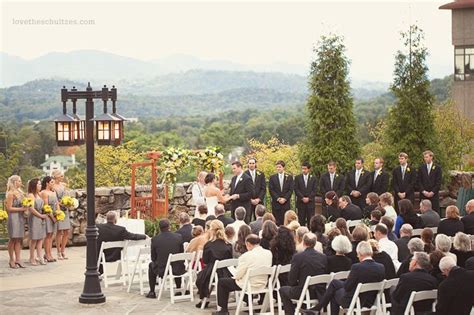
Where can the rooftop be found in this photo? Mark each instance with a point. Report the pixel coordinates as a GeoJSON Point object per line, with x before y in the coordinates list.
{"type": "Point", "coordinates": [458, 5]}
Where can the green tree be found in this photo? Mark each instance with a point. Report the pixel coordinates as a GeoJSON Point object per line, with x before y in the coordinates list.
{"type": "Point", "coordinates": [331, 129]}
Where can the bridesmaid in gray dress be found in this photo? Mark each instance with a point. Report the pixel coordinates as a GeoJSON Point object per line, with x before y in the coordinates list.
{"type": "Point", "coordinates": [16, 220]}
{"type": "Point", "coordinates": [63, 227]}
{"type": "Point", "coordinates": [49, 198]}
{"type": "Point", "coordinates": [36, 223]}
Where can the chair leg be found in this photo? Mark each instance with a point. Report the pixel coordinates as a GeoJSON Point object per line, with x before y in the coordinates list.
{"type": "Point", "coordinates": [191, 286]}
{"type": "Point", "coordinates": [250, 299]}
{"type": "Point", "coordinates": [270, 299]}
{"type": "Point", "coordinates": [171, 289]}
{"type": "Point", "coordinates": [162, 286]}
{"type": "Point", "coordinates": [240, 302]}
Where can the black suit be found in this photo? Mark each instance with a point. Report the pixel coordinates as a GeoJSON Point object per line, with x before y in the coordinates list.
{"type": "Point", "coordinates": [186, 232]}
{"type": "Point", "coordinates": [305, 210]}
{"type": "Point", "coordinates": [456, 293]}
{"type": "Point", "coordinates": [404, 185]}
{"type": "Point", "coordinates": [417, 280]}
{"type": "Point", "coordinates": [276, 192]}
{"type": "Point", "coordinates": [225, 220]}
{"type": "Point", "coordinates": [304, 264]}
{"type": "Point", "coordinates": [245, 190]}
{"type": "Point", "coordinates": [351, 212]}
{"type": "Point", "coordinates": [468, 221]}
{"type": "Point", "coordinates": [380, 184]}
{"type": "Point", "coordinates": [363, 186]}
{"type": "Point", "coordinates": [403, 251]}
{"type": "Point", "coordinates": [450, 227]}
{"type": "Point", "coordinates": [431, 182]}
{"type": "Point", "coordinates": [260, 189]}
{"type": "Point", "coordinates": [337, 186]}
{"type": "Point", "coordinates": [162, 245]}
{"type": "Point", "coordinates": [113, 233]}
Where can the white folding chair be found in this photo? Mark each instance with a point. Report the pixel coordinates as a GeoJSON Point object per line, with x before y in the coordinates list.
{"type": "Point", "coordinates": [341, 275]}
{"type": "Point", "coordinates": [120, 275]}
{"type": "Point", "coordinates": [305, 297]}
{"type": "Point", "coordinates": [356, 308]}
{"type": "Point", "coordinates": [141, 267]}
{"type": "Point", "coordinates": [421, 296]}
{"type": "Point", "coordinates": [186, 277]}
{"type": "Point", "coordinates": [247, 289]}
{"type": "Point", "coordinates": [132, 251]}
{"type": "Point", "coordinates": [280, 269]}
{"type": "Point", "coordinates": [388, 284]}
{"type": "Point", "coordinates": [218, 264]}
{"type": "Point", "coordinates": [197, 263]}
{"type": "Point", "coordinates": [185, 245]}
{"type": "Point", "coordinates": [435, 230]}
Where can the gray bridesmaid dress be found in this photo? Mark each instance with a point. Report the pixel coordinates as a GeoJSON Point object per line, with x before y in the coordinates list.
{"type": "Point", "coordinates": [66, 223]}
{"type": "Point", "coordinates": [37, 226]}
{"type": "Point", "coordinates": [16, 221]}
{"type": "Point", "coordinates": [50, 225]}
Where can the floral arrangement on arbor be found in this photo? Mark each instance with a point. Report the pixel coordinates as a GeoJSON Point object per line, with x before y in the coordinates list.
{"type": "Point", "coordinates": [211, 160]}
{"type": "Point", "coordinates": [173, 160]}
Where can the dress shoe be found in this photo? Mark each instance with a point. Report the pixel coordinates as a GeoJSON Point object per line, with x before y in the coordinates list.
{"type": "Point", "coordinates": [220, 313]}
{"type": "Point", "coordinates": [151, 295]}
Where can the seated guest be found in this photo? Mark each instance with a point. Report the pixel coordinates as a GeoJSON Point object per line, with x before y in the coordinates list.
{"type": "Point", "coordinates": [456, 293]}
{"type": "Point", "coordinates": [452, 224]}
{"type": "Point", "coordinates": [375, 217]}
{"type": "Point", "coordinates": [256, 226]}
{"type": "Point", "coordinates": [230, 233]}
{"type": "Point", "coordinates": [317, 225]}
{"type": "Point", "coordinates": [217, 248]}
{"type": "Point", "coordinates": [468, 219]}
{"type": "Point", "coordinates": [239, 221]}
{"type": "Point", "coordinates": [427, 237]}
{"type": "Point", "coordinates": [332, 233]}
{"type": "Point", "coordinates": [293, 226]}
{"type": "Point", "coordinates": [340, 292]}
{"type": "Point", "coordinates": [290, 216]}
{"type": "Point", "coordinates": [469, 263]}
{"type": "Point", "coordinates": [198, 242]}
{"type": "Point", "coordinates": [255, 257]}
{"type": "Point", "coordinates": [389, 223]}
{"type": "Point", "coordinates": [300, 232]}
{"type": "Point", "coordinates": [407, 215]}
{"type": "Point", "coordinates": [200, 216]}
{"type": "Point", "coordinates": [414, 245]}
{"type": "Point", "coordinates": [384, 259]}
{"type": "Point", "coordinates": [386, 202]}
{"type": "Point", "coordinates": [402, 243]}
{"type": "Point", "coordinates": [385, 244]}
{"type": "Point", "coordinates": [239, 246]}
{"type": "Point", "coordinates": [359, 234]}
{"type": "Point", "coordinates": [341, 224]}
{"type": "Point", "coordinates": [307, 263]}
{"type": "Point", "coordinates": [162, 245]}
{"type": "Point", "coordinates": [418, 279]}
{"type": "Point", "coordinates": [220, 215]}
{"type": "Point", "coordinates": [443, 243]}
{"type": "Point", "coordinates": [331, 209]}
{"type": "Point", "coordinates": [428, 215]}
{"type": "Point", "coordinates": [372, 200]}
{"type": "Point", "coordinates": [462, 248]}
{"type": "Point", "coordinates": [340, 262]}
{"type": "Point", "coordinates": [268, 216]}
{"type": "Point", "coordinates": [282, 246]}
{"type": "Point", "coordinates": [269, 230]}
{"type": "Point", "coordinates": [349, 211]}
{"type": "Point", "coordinates": [111, 232]}
{"type": "Point", "coordinates": [435, 258]}
{"type": "Point", "coordinates": [185, 227]}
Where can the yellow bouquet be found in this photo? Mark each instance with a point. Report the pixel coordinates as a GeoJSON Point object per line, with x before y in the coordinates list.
{"type": "Point", "coordinates": [3, 215]}
{"type": "Point", "coordinates": [28, 202]}
{"type": "Point", "coordinates": [47, 209]}
{"type": "Point", "coordinates": [60, 215]}
{"type": "Point", "coordinates": [69, 202]}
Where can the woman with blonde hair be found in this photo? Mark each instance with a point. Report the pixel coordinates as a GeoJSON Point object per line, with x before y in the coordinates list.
{"type": "Point", "coordinates": [36, 223]}
{"type": "Point", "coordinates": [452, 224]}
{"type": "Point", "coordinates": [386, 202]}
{"type": "Point", "coordinates": [51, 199]}
{"type": "Point", "coordinates": [16, 220]}
{"type": "Point", "coordinates": [290, 216]}
{"type": "Point", "coordinates": [63, 226]}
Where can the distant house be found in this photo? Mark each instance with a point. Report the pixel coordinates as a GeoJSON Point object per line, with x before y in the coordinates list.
{"type": "Point", "coordinates": [58, 162]}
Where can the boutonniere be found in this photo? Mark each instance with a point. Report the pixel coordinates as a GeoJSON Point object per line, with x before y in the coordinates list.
{"type": "Point", "coordinates": [286, 175]}
{"type": "Point", "coordinates": [258, 173]}
{"type": "Point", "coordinates": [310, 176]}
{"type": "Point", "coordinates": [434, 166]}
{"type": "Point", "coordinates": [240, 179]}
{"type": "Point", "coordinates": [408, 169]}
{"type": "Point", "coordinates": [362, 172]}
{"type": "Point", "coordinates": [337, 175]}
{"type": "Point", "coordinates": [379, 172]}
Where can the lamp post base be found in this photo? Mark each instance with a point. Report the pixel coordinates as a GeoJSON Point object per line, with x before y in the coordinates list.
{"type": "Point", "coordinates": [92, 298]}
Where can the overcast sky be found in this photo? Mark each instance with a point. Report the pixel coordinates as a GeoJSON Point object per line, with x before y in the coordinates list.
{"type": "Point", "coordinates": [243, 32]}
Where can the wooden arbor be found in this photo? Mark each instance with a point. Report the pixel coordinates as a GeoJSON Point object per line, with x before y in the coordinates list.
{"type": "Point", "coordinates": [148, 207]}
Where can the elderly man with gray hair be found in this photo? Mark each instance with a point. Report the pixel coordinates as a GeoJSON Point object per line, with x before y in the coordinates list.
{"type": "Point", "coordinates": [414, 245]}
{"type": "Point", "coordinates": [239, 221]}
{"type": "Point", "coordinates": [456, 292]}
{"type": "Point", "coordinates": [402, 243]}
{"type": "Point", "coordinates": [418, 279]}
{"type": "Point", "coordinates": [430, 217]}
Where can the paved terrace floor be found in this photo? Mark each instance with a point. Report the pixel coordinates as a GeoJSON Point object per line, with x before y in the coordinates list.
{"type": "Point", "coordinates": [55, 288]}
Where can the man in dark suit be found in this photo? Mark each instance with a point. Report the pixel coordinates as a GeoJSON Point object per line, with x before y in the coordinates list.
{"type": "Point", "coordinates": [281, 188]}
{"type": "Point", "coordinates": [456, 292]}
{"type": "Point", "coordinates": [429, 180]}
{"type": "Point", "coordinates": [186, 227]}
{"type": "Point", "coordinates": [256, 225]}
{"type": "Point", "coordinates": [219, 210]}
{"type": "Point", "coordinates": [305, 191]}
{"type": "Point", "coordinates": [260, 187]}
{"type": "Point", "coordinates": [349, 211]}
{"type": "Point", "coordinates": [358, 183]}
{"type": "Point", "coordinates": [111, 232]}
{"type": "Point", "coordinates": [403, 180]}
{"type": "Point", "coordinates": [340, 293]}
{"type": "Point", "coordinates": [418, 279]}
{"type": "Point", "coordinates": [162, 245]}
{"type": "Point", "coordinates": [241, 190]}
{"type": "Point", "coordinates": [332, 181]}
{"type": "Point", "coordinates": [468, 219]}
{"type": "Point", "coordinates": [402, 243]}
{"type": "Point", "coordinates": [304, 264]}
{"type": "Point", "coordinates": [379, 178]}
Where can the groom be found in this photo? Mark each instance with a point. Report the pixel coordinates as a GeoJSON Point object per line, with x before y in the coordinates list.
{"type": "Point", "coordinates": [241, 190]}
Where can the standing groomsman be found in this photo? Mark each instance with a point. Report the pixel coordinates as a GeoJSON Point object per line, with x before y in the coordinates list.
{"type": "Point", "coordinates": [379, 178]}
{"type": "Point", "coordinates": [403, 180]}
{"type": "Point", "coordinates": [305, 191]}
{"type": "Point", "coordinates": [260, 187]}
{"type": "Point", "coordinates": [429, 180]}
{"type": "Point", "coordinates": [358, 183]}
{"type": "Point", "coordinates": [332, 181]}
{"type": "Point", "coordinates": [241, 189]}
{"type": "Point", "coordinates": [281, 188]}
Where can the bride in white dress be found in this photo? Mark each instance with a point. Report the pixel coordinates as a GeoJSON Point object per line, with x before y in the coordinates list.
{"type": "Point", "coordinates": [213, 194]}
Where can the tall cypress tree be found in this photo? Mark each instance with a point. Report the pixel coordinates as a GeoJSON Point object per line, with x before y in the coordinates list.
{"type": "Point", "coordinates": [410, 122]}
{"type": "Point", "coordinates": [331, 126]}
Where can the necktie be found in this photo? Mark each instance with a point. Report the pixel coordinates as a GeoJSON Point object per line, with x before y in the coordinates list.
{"type": "Point", "coordinates": [429, 168]}
{"type": "Point", "coordinates": [305, 181]}
{"type": "Point", "coordinates": [357, 177]}
{"type": "Point", "coordinates": [403, 172]}
{"type": "Point", "coordinates": [253, 176]}
{"type": "Point", "coordinates": [281, 181]}
{"type": "Point", "coordinates": [236, 181]}
{"type": "Point", "coordinates": [375, 175]}
{"type": "Point", "coordinates": [332, 181]}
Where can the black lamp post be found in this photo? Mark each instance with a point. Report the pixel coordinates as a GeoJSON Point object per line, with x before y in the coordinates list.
{"type": "Point", "coordinates": [91, 293]}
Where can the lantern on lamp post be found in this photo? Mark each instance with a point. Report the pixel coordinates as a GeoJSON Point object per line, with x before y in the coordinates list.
{"type": "Point", "coordinates": [109, 128]}
{"type": "Point", "coordinates": [65, 125]}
